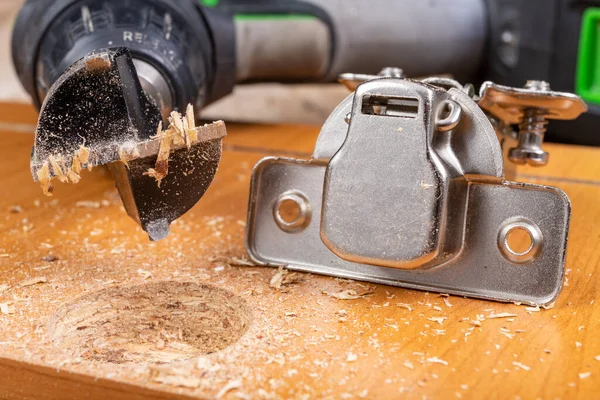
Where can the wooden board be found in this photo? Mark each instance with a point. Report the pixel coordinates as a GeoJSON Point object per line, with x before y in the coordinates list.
{"type": "Point", "coordinates": [301, 342]}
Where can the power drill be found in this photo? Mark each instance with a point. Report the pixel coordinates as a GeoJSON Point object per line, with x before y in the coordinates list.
{"type": "Point", "coordinates": [125, 65]}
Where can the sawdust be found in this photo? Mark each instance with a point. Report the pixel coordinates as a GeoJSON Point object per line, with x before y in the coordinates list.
{"type": "Point", "coordinates": [34, 281]}
{"type": "Point", "coordinates": [157, 322]}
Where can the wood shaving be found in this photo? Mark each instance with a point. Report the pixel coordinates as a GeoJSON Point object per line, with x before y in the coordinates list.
{"type": "Point", "coordinates": [233, 261]}
{"type": "Point", "coordinates": [76, 165]}
{"type": "Point", "coordinates": [521, 365]}
{"type": "Point", "coordinates": [351, 357]}
{"type": "Point", "coordinates": [88, 204]}
{"type": "Point", "coordinates": [508, 335]}
{"type": "Point", "coordinates": [6, 309]}
{"type": "Point", "coordinates": [439, 320]}
{"type": "Point", "coordinates": [43, 175]}
{"type": "Point", "coordinates": [549, 306]}
{"type": "Point", "coordinates": [191, 382]}
{"type": "Point", "coordinates": [283, 277]}
{"type": "Point", "coordinates": [348, 294]}
{"type": "Point", "coordinates": [501, 315]}
{"type": "Point", "coordinates": [584, 375]}
{"type": "Point", "coordinates": [73, 176]}
{"type": "Point", "coordinates": [176, 122]}
{"type": "Point", "coordinates": [145, 274]}
{"type": "Point", "coordinates": [231, 385]}
{"type": "Point", "coordinates": [578, 344]}
{"type": "Point", "coordinates": [83, 154]}
{"type": "Point", "coordinates": [49, 258]}
{"type": "Point", "coordinates": [408, 365]}
{"type": "Point", "coordinates": [404, 305]}
{"type": "Point", "coordinates": [161, 168]}
{"type": "Point", "coordinates": [15, 209]}
{"type": "Point", "coordinates": [62, 172]}
{"type": "Point", "coordinates": [127, 154]}
{"type": "Point", "coordinates": [597, 358]}
{"type": "Point", "coordinates": [435, 360]}
{"type": "Point", "coordinates": [533, 309]}
{"type": "Point", "coordinates": [57, 168]}
{"type": "Point", "coordinates": [34, 281]}
{"type": "Point", "coordinates": [447, 302]}
{"type": "Point", "coordinates": [6, 287]}
{"type": "Point", "coordinates": [192, 134]}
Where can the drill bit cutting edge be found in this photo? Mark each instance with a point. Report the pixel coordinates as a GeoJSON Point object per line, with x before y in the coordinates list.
{"type": "Point", "coordinates": [98, 114]}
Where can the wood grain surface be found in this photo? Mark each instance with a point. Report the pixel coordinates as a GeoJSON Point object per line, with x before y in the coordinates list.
{"type": "Point", "coordinates": [57, 253]}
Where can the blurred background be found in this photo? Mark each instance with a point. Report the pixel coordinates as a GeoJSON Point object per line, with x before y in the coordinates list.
{"type": "Point", "coordinates": [267, 103]}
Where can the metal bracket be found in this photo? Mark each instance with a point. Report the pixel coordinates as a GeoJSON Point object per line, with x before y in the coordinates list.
{"type": "Point", "coordinates": [406, 188]}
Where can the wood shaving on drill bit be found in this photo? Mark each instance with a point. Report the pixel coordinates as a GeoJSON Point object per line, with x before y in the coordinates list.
{"type": "Point", "coordinates": [161, 168]}
{"type": "Point", "coordinates": [61, 171]}
{"type": "Point", "coordinates": [57, 168]}
{"type": "Point", "coordinates": [43, 175]}
{"type": "Point", "coordinates": [127, 154]}
{"type": "Point", "coordinates": [176, 134]}
{"type": "Point", "coordinates": [283, 277]}
{"type": "Point", "coordinates": [192, 134]}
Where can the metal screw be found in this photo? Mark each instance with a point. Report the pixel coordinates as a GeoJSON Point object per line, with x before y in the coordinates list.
{"type": "Point", "coordinates": [532, 129]}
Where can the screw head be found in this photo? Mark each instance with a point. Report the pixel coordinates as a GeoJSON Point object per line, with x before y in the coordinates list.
{"type": "Point", "coordinates": [535, 158]}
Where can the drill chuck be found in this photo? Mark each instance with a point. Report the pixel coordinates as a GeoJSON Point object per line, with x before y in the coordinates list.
{"type": "Point", "coordinates": [172, 44]}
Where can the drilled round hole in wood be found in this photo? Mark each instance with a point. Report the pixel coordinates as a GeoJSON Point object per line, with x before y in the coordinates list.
{"type": "Point", "coordinates": [157, 322]}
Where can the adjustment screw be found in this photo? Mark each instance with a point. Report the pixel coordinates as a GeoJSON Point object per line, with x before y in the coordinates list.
{"type": "Point", "coordinates": [532, 129]}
